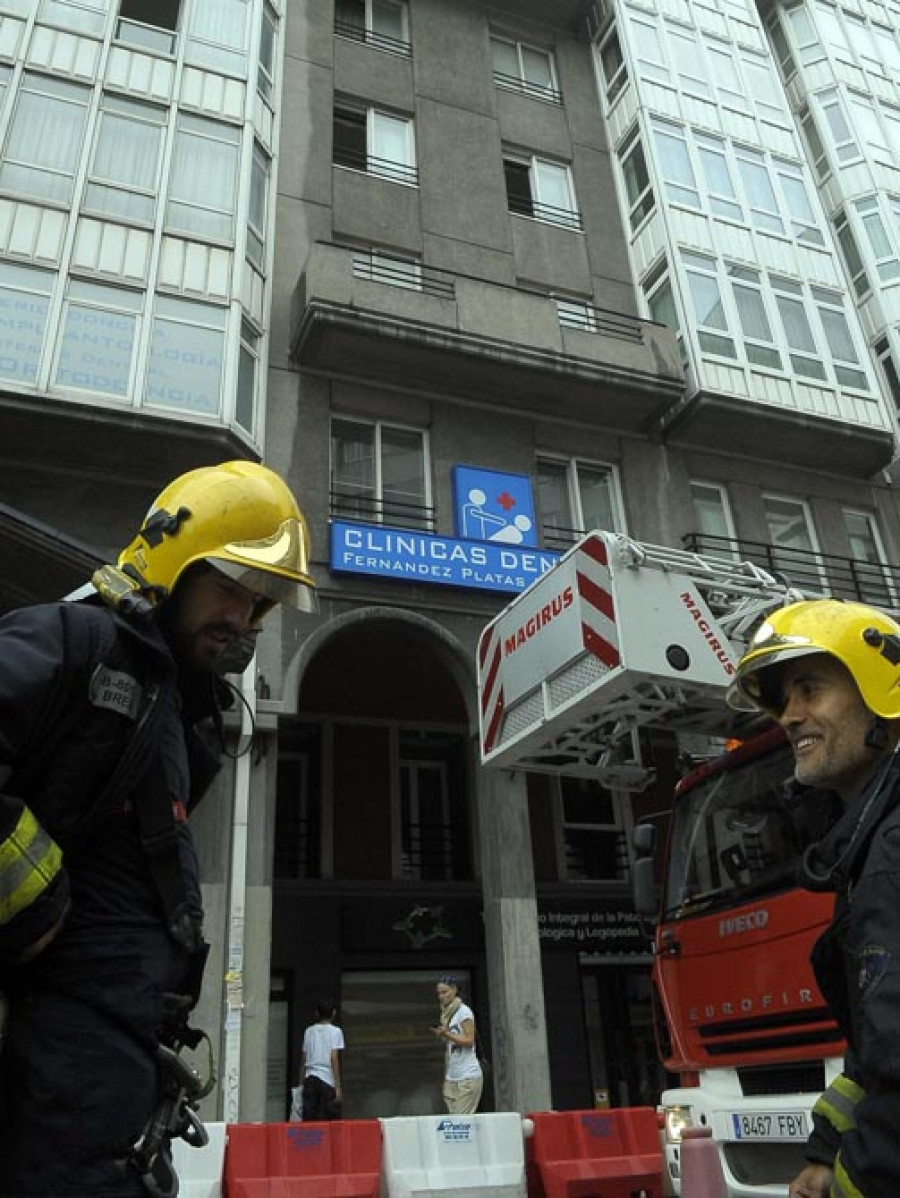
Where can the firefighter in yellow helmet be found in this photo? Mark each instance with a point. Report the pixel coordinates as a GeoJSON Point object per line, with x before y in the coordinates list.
{"type": "Point", "coordinates": [829, 673]}
{"type": "Point", "coordinates": [110, 732]}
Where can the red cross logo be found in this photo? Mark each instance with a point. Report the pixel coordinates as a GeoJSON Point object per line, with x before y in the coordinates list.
{"type": "Point", "coordinates": [506, 501]}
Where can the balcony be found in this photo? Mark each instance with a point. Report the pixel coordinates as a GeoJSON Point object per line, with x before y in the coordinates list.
{"type": "Point", "coordinates": [407, 324]}
{"type": "Point", "coordinates": [816, 574]}
{"type": "Point", "coordinates": [849, 433]}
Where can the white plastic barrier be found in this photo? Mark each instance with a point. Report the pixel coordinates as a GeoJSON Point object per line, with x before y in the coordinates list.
{"type": "Point", "coordinates": [454, 1156]}
{"type": "Point", "coordinates": [200, 1169]}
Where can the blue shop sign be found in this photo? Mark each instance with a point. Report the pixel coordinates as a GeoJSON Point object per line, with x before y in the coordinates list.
{"type": "Point", "coordinates": [493, 505]}
{"type": "Point", "coordinates": [412, 556]}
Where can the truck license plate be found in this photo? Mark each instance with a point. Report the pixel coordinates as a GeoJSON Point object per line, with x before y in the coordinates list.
{"type": "Point", "coordinates": [778, 1125]}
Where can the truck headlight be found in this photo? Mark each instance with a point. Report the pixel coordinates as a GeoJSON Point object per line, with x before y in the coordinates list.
{"type": "Point", "coordinates": [677, 1119]}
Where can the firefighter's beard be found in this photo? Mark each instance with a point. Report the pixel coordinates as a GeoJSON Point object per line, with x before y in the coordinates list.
{"type": "Point", "coordinates": [214, 648]}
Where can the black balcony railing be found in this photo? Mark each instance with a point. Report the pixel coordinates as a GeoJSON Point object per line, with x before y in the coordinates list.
{"type": "Point", "coordinates": [813, 573]}
{"type": "Point", "coordinates": [523, 205]}
{"type": "Point", "coordinates": [585, 318]}
{"type": "Point", "coordinates": [384, 168]}
{"type": "Point", "coordinates": [558, 536]}
{"type": "Point", "coordinates": [347, 504]}
{"type": "Point", "coordinates": [402, 272]}
{"type": "Point", "coordinates": [381, 41]}
{"type": "Point", "coordinates": [540, 91]}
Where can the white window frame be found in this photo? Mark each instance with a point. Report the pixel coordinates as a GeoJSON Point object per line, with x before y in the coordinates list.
{"type": "Point", "coordinates": [889, 596]}
{"type": "Point", "coordinates": [645, 37]}
{"type": "Point", "coordinates": [853, 260]}
{"type": "Point", "coordinates": [875, 228]}
{"type": "Point", "coordinates": [615, 81]}
{"type": "Point", "coordinates": [249, 351]}
{"type": "Point", "coordinates": [115, 301]}
{"type": "Point", "coordinates": [729, 552]}
{"type": "Point", "coordinates": [403, 170]}
{"type": "Point", "coordinates": [390, 268]}
{"type": "Point", "coordinates": [172, 310]}
{"type": "Point", "coordinates": [840, 128]}
{"type": "Point", "coordinates": [376, 38]}
{"type": "Point", "coordinates": [712, 339]}
{"type": "Point", "coordinates": [261, 168]}
{"type": "Point", "coordinates": [267, 47]}
{"type": "Point", "coordinates": [550, 214]}
{"type": "Point", "coordinates": [815, 552]}
{"type": "Point", "coordinates": [763, 216]}
{"type": "Point", "coordinates": [570, 467]}
{"type": "Point", "coordinates": [830, 303]}
{"type": "Point", "coordinates": [134, 112]}
{"type": "Point", "coordinates": [220, 133]}
{"type": "Point", "coordinates": [520, 82]}
{"type": "Point", "coordinates": [680, 190]}
{"type": "Point", "coordinates": [690, 69]}
{"type": "Point", "coordinates": [377, 427]}
{"type": "Point", "coordinates": [75, 98]}
{"type": "Point", "coordinates": [36, 286]}
{"type": "Point", "coordinates": [641, 201]}
{"type": "Point", "coordinates": [725, 205]}
{"type": "Point", "coordinates": [760, 352]}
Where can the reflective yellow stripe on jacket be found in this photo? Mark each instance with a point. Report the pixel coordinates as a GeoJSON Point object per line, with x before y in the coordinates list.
{"type": "Point", "coordinates": [838, 1103]}
{"type": "Point", "coordinates": [842, 1186]}
{"type": "Point", "coordinates": [29, 861]}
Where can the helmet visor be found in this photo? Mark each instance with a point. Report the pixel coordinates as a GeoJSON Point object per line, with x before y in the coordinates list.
{"type": "Point", "coordinates": [277, 588]}
{"type": "Point", "coordinates": [757, 686]}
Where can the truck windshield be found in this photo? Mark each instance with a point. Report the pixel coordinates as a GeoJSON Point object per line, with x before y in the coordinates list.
{"type": "Point", "coordinates": [733, 836]}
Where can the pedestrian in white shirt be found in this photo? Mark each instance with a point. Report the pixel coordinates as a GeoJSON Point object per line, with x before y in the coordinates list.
{"type": "Point", "coordinates": [320, 1070]}
{"type": "Point", "coordinates": [463, 1079]}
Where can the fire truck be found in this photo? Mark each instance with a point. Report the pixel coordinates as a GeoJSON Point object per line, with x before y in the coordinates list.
{"type": "Point", "coordinates": [621, 637]}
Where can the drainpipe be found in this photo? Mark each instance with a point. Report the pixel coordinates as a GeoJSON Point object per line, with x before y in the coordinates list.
{"type": "Point", "coordinates": [234, 966]}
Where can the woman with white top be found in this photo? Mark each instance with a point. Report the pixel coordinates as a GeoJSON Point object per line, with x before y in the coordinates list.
{"type": "Point", "coordinates": [463, 1079]}
{"type": "Point", "coordinates": [321, 1066]}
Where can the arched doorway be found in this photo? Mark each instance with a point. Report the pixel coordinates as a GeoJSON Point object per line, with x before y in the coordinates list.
{"type": "Point", "coordinates": [375, 877]}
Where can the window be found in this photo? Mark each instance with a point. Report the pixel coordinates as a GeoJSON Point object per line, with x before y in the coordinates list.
{"type": "Point", "coordinates": [258, 208]}
{"type": "Point", "coordinates": [123, 181]}
{"type": "Point", "coordinates": [759, 344]}
{"type": "Point", "coordinates": [612, 64]}
{"type": "Point", "coordinates": [754, 174]}
{"type": "Point", "coordinates": [891, 374]}
{"type": "Point", "coordinates": [268, 33]}
{"type": "Point", "coordinates": [5, 76]}
{"type": "Point", "coordinates": [880, 242]}
{"type": "Point", "coordinates": [851, 255]}
{"type": "Point", "coordinates": [661, 300]}
{"type": "Point", "coordinates": [81, 16]}
{"type": "Point", "coordinates": [782, 49]}
{"type": "Point", "coordinates": [641, 201]}
{"type": "Point", "coordinates": [839, 127]}
{"type": "Point", "coordinates": [709, 311]}
{"type": "Point", "coordinates": [24, 302]}
{"type": "Point", "coordinates": [204, 173]}
{"type": "Point", "coordinates": [793, 548]}
{"type": "Point", "coordinates": [379, 473]}
{"type": "Point", "coordinates": [248, 376]}
{"type": "Point", "coordinates": [675, 164]}
{"type": "Point", "coordinates": [689, 62]}
{"type": "Point", "coordinates": [844, 356]}
{"type": "Point", "coordinates": [298, 815]}
{"type": "Point", "coordinates": [376, 142]}
{"type": "Point", "coordinates": [541, 189]}
{"type": "Point", "coordinates": [187, 344]}
{"type": "Point", "coordinates": [594, 839]}
{"type": "Point", "coordinates": [99, 335]}
{"type": "Point", "coordinates": [426, 850]}
{"type": "Point", "coordinates": [871, 578]}
{"type": "Point", "coordinates": [524, 68]}
{"type": "Point", "coordinates": [380, 23]}
{"type": "Point", "coordinates": [574, 497]}
{"type": "Point", "coordinates": [796, 199]}
{"type": "Point", "coordinates": [867, 123]}
{"type": "Point", "coordinates": [651, 58]}
{"type": "Point", "coordinates": [805, 356]}
{"type": "Point", "coordinates": [712, 514]}
{"type": "Point", "coordinates": [219, 35]}
{"type": "Point", "coordinates": [717, 174]}
{"type": "Point", "coordinates": [43, 144]}
{"type": "Point", "coordinates": [814, 141]}
{"type": "Point", "coordinates": [726, 75]}
{"type": "Point", "coordinates": [764, 87]}
{"type": "Point", "coordinates": [149, 24]}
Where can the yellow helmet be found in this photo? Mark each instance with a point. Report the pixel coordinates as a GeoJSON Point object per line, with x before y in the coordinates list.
{"type": "Point", "coordinates": [240, 517]}
{"type": "Point", "coordinates": [862, 638]}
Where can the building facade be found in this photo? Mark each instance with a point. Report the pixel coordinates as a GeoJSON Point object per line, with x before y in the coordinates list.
{"type": "Point", "coordinates": [475, 278]}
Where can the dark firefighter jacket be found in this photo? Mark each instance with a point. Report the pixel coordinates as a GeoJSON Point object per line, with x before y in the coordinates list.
{"type": "Point", "coordinates": [857, 965]}
{"type": "Point", "coordinates": [81, 689]}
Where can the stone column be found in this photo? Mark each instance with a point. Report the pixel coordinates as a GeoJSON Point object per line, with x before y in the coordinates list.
{"type": "Point", "coordinates": [521, 1067]}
